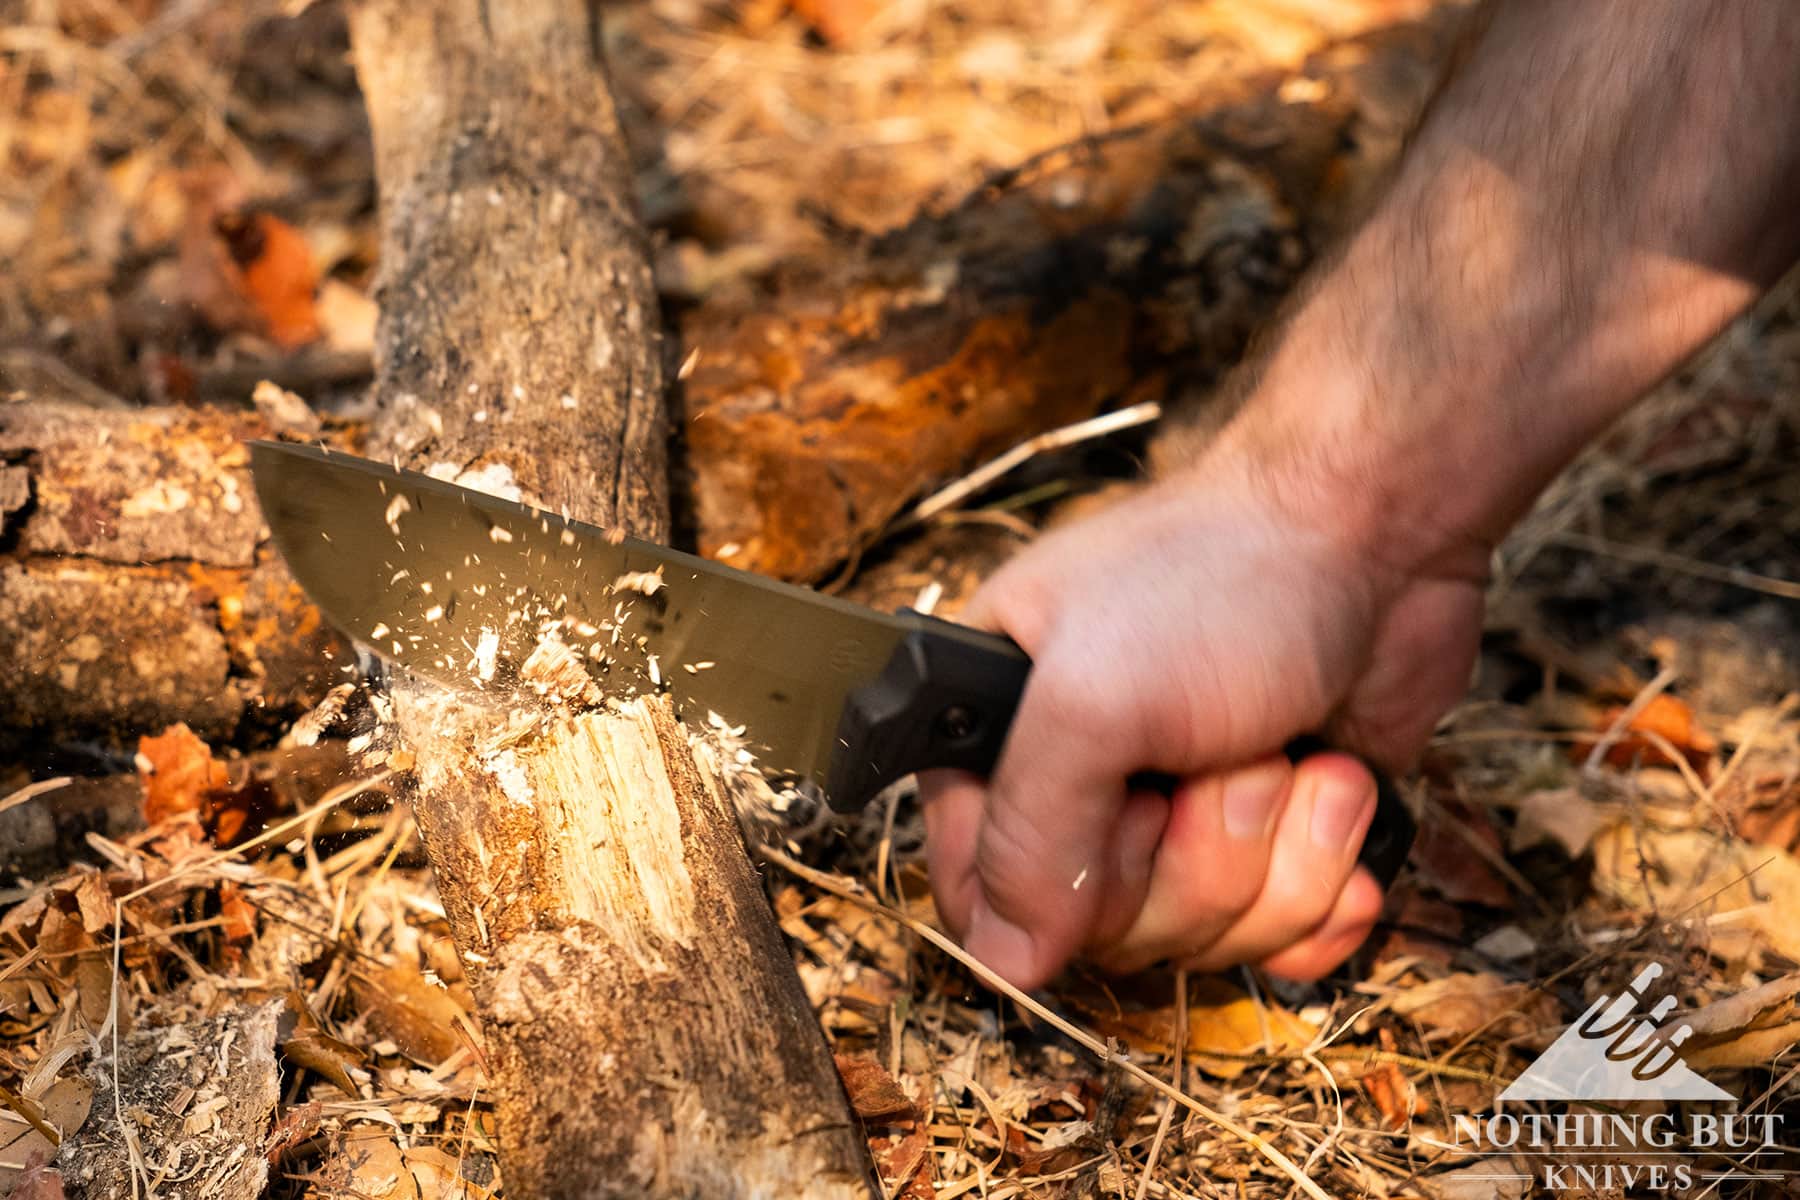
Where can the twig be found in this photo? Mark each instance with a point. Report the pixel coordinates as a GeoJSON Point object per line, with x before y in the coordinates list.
{"type": "Point", "coordinates": [1051, 439]}
{"type": "Point", "coordinates": [32, 791]}
{"type": "Point", "coordinates": [1623, 721]}
{"type": "Point", "coordinates": [849, 889]}
{"type": "Point", "coordinates": [1180, 1079]}
{"type": "Point", "coordinates": [1648, 557]}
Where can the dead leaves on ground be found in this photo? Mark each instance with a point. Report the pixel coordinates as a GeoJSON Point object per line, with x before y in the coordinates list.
{"type": "Point", "coordinates": [183, 779]}
{"type": "Point", "coordinates": [1661, 727]}
{"type": "Point", "coordinates": [1228, 1030]}
{"type": "Point", "coordinates": [1741, 896]}
{"type": "Point", "coordinates": [420, 1018]}
{"type": "Point", "coordinates": [178, 770]}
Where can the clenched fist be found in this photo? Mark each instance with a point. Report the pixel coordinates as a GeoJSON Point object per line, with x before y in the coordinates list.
{"type": "Point", "coordinates": [1194, 630]}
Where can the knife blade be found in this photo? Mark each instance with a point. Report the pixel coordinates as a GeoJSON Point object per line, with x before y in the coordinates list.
{"type": "Point", "coordinates": [464, 587]}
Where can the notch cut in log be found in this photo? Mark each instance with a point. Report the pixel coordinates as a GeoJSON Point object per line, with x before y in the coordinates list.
{"type": "Point", "coordinates": [646, 1032]}
{"type": "Point", "coordinates": [623, 942]}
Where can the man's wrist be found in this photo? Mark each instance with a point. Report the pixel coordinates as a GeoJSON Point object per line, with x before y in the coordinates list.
{"type": "Point", "coordinates": [1338, 444]}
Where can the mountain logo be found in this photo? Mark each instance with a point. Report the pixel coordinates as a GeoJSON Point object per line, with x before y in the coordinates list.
{"type": "Point", "coordinates": [1612, 1053]}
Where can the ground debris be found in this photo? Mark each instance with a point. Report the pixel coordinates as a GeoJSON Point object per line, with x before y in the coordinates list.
{"type": "Point", "coordinates": [192, 1105]}
{"type": "Point", "coordinates": [785, 134]}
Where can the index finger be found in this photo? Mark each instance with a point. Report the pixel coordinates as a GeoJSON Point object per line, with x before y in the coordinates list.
{"type": "Point", "coordinates": [1049, 821]}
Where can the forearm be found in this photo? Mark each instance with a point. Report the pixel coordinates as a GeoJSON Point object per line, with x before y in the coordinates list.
{"type": "Point", "coordinates": [1599, 189]}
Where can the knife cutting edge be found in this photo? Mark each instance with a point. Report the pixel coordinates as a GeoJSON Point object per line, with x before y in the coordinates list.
{"type": "Point", "coordinates": [466, 588]}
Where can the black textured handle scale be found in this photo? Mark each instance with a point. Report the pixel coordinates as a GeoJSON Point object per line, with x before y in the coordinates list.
{"type": "Point", "coordinates": [946, 699]}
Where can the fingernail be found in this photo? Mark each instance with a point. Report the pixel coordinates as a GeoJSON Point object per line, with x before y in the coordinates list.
{"type": "Point", "coordinates": [1251, 797]}
{"type": "Point", "coordinates": [1006, 949]}
{"type": "Point", "coordinates": [1341, 809]}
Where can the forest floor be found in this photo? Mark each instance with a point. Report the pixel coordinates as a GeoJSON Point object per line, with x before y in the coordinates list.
{"type": "Point", "coordinates": [187, 207]}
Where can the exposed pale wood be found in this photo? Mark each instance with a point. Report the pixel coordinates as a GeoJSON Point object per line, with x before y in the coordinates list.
{"type": "Point", "coordinates": [646, 1034]}
{"type": "Point", "coordinates": [645, 1030]}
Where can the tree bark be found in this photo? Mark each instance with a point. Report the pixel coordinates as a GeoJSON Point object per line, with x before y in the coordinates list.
{"type": "Point", "coordinates": [135, 586]}
{"type": "Point", "coordinates": [1131, 266]}
{"type": "Point", "coordinates": [646, 1032]}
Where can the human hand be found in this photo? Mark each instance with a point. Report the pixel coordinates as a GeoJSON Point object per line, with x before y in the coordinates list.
{"type": "Point", "coordinates": [1195, 629]}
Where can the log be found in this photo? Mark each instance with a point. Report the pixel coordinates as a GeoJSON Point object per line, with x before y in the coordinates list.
{"type": "Point", "coordinates": [136, 588]}
{"type": "Point", "coordinates": [644, 1026]}
{"type": "Point", "coordinates": [1131, 266]}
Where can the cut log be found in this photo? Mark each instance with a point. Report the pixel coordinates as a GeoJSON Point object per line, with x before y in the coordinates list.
{"type": "Point", "coordinates": [645, 1029]}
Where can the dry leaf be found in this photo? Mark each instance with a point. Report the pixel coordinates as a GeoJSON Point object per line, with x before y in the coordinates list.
{"type": "Point", "coordinates": [1444, 857]}
{"type": "Point", "coordinates": [38, 1181]}
{"type": "Point", "coordinates": [1459, 1004]}
{"type": "Point", "coordinates": [839, 22]}
{"type": "Point", "coordinates": [292, 1128]}
{"type": "Point", "coordinates": [235, 911]}
{"type": "Point", "coordinates": [275, 274]}
{"type": "Point", "coordinates": [902, 1161]}
{"type": "Point", "coordinates": [872, 1091]}
{"type": "Point", "coordinates": [63, 1107]}
{"type": "Point", "coordinates": [309, 1046]}
{"type": "Point", "coordinates": [1750, 1029]}
{"type": "Point", "coordinates": [346, 317]}
{"type": "Point", "coordinates": [178, 769]}
{"type": "Point", "coordinates": [1393, 1094]}
{"type": "Point", "coordinates": [1560, 815]}
{"type": "Point", "coordinates": [1771, 812]}
{"type": "Point", "coordinates": [93, 902]}
{"type": "Point", "coordinates": [417, 1016]}
{"type": "Point", "coordinates": [435, 1174]}
{"type": "Point", "coordinates": [1226, 1028]}
{"type": "Point", "coordinates": [1664, 717]}
{"type": "Point", "coordinates": [377, 1168]}
{"type": "Point", "coordinates": [1695, 875]}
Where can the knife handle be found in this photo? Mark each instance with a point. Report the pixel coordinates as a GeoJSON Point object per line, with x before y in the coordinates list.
{"type": "Point", "coordinates": [947, 698]}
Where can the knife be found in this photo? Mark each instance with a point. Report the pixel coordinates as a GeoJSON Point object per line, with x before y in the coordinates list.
{"type": "Point", "coordinates": [464, 587]}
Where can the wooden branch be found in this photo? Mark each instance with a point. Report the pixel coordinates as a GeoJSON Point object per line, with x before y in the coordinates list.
{"type": "Point", "coordinates": [645, 1028]}
{"type": "Point", "coordinates": [135, 586]}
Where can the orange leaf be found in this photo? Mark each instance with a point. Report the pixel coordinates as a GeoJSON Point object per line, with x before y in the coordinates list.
{"type": "Point", "coordinates": [1665, 718]}
{"type": "Point", "coordinates": [872, 1091]}
{"type": "Point", "coordinates": [1222, 1019]}
{"type": "Point", "coordinates": [235, 911]}
{"type": "Point", "coordinates": [178, 769]}
{"type": "Point", "coordinates": [839, 22]}
{"type": "Point", "coordinates": [278, 277]}
{"type": "Point", "coordinates": [1393, 1094]}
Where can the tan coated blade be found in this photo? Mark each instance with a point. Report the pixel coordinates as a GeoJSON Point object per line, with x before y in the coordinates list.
{"type": "Point", "coordinates": [462, 586]}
